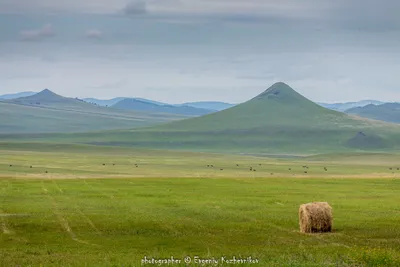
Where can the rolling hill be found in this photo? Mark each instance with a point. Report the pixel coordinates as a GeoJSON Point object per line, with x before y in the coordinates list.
{"type": "Point", "coordinates": [47, 112]}
{"type": "Point", "coordinates": [279, 106]}
{"type": "Point", "coordinates": [389, 112]}
{"type": "Point", "coordinates": [278, 121]}
{"type": "Point", "coordinates": [47, 98]}
{"type": "Point", "coordinates": [139, 105]}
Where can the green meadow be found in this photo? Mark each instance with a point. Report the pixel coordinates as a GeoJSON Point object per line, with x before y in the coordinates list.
{"type": "Point", "coordinates": [81, 205]}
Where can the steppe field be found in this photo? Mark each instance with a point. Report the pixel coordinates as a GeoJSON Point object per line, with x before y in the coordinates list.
{"type": "Point", "coordinates": [81, 205]}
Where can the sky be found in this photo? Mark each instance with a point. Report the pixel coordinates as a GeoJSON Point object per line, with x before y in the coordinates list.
{"type": "Point", "coordinates": [178, 51]}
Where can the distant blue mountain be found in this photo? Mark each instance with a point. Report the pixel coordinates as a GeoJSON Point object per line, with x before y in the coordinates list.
{"type": "Point", "coordinates": [106, 102]}
{"type": "Point", "coordinates": [389, 112]}
{"type": "Point", "coordinates": [17, 95]}
{"type": "Point", "coordinates": [208, 105]}
{"type": "Point", "coordinates": [151, 101]}
{"type": "Point", "coordinates": [113, 101]}
{"type": "Point", "coordinates": [211, 105]}
{"type": "Point", "coordinates": [348, 105]}
{"type": "Point", "coordinates": [139, 105]}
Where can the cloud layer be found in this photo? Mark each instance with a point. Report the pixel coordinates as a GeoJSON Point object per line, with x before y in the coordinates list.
{"type": "Point", "coordinates": [188, 50]}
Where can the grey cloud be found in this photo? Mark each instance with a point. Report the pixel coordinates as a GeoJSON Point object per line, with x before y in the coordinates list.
{"type": "Point", "coordinates": [46, 31]}
{"type": "Point", "coordinates": [374, 14]}
{"type": "Point", "coordinates": [94, 34]}
{"type": "Point", "coordinates": [135, 7]}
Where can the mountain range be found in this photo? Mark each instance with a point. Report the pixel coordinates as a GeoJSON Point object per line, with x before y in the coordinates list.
{"type": "Point", "coordinates": [140, 105]}
{"type": "Point", "coordinates": [348, 105]}
{"type": "Point", "coordinates": [16, 95]}
{"type": "Point", "coordinates": [279, 120]}
{"type": "Point", "coordinates": [47, 112]}
{"type": "Point", "coordinates": [389, 112]}
{"type": "Point", "coordinates": [113, 101]}
{"type": "Point", "coordinates": [209, 105]}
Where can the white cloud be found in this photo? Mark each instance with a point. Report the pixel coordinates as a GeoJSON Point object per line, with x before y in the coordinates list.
{"type": "Point", "coordinates": [46, 31]}
{"type": "Point", "coordinates": [135, 7]}
{"type": "Point", "coordinates": [94, 34]}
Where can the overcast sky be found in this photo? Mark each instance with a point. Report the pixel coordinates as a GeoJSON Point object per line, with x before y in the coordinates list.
{"type": "Point", "coordinates": [192, 50]}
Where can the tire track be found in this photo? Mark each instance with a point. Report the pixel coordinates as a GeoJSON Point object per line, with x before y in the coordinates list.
{"type": "Point", "coordinates": [62, 220]}
{"type": "Point", "coordinates": [4, 227]}
{"type": "Point", "coordinates": [80, 212]}
{"type": "Point", "coordinates": [100, 191]}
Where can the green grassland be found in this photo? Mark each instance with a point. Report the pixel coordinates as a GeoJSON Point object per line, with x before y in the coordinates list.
{"type": "Point", "coordinates": [88, 161]}
{"type": "Point", "coordinates": [84, 213]}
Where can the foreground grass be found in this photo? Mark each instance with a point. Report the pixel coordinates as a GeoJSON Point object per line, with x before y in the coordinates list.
{"type": "Point", "coordinates": [110, 222]}
{"type": "Point", "coordinates": [69, 217]}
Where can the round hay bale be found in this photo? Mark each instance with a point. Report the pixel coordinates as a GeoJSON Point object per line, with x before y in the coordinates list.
{"type": "Point", "coordinates": [315, 217]}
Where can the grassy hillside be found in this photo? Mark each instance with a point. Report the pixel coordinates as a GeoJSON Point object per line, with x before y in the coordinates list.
{"type": "Point", "coordinates": [47, 112]}
{"type": "Point", "coordinates": [17, 119]}
{"type": "Point", "coordinates": [277, 121]}
{"type": "Point", "coordinates": [279, 106]}
{"type": "Point", "coordinates": [389, 112]}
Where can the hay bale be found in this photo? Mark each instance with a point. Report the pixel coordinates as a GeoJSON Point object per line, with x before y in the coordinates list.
{"type": "Point", "coordinates": [315, 217]}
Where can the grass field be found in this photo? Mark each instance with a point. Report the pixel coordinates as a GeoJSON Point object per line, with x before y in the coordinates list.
{"type": "Point", "coordinates": [84, 213]}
